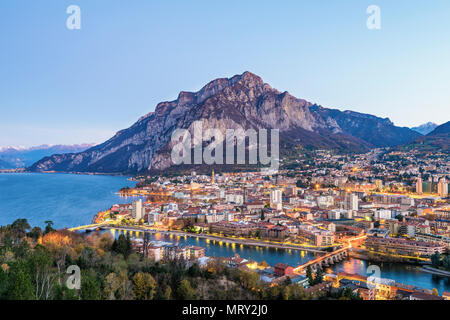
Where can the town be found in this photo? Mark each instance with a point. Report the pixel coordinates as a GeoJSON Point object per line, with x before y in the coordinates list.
{"type": "Point", "coordinates": [382, 206]}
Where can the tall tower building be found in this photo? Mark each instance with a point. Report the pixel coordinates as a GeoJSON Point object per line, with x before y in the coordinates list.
{"type": "Point", "coordinates": [419, 183]}
{"type": "Point", "coordinates": [276, 200]}
{"type": "Point", "coordinates": [443, 188]}
{"type": "Point", "coordinates": [212, 178]}
{"type": "Point", "coordinates": [137, 210]}
{"type": "Point", "coordinates": [351, 202]}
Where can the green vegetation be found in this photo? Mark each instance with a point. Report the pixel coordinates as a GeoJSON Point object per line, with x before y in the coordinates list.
{"type": "Point", "coordinates": [33, 266]}
{"type": "Point", "coordinates": [441, 263]}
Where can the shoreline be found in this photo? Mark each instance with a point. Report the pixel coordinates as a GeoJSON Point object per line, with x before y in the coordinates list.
{"type": "Point", "coordinates": [69, 172]}
{"type": "Point", "coordinates": [254, 243]}
{"type": "Point", "coordinates": [435, 271]}
{"type": "Point", "coordinates": [380, 258]}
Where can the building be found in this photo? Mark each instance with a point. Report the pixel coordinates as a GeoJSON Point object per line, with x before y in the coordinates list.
{"type": "Point", "coordinates": [137, 210]}
{"type": "Point", "coordinates": [276, 199]}
{"type": "Point", "coordinates": [383, 214]}
{"type": "Point", "coordinates": [316, 236]}
{"type": "Point", "coordinates": [419, 184]}
{"type": "Point", "coordinates": [197, 252]}
{"type": "Point", "coordinates": [282, 269]}
{"type": "Point", "coordinates": [153, 218]}
{"type": "Point", "coordinates": [403, 247]}
{"type": "Point", "coordinates": [379, 184]}
{"type": "Point", "coordinates": [351, 202]}
{"type": "Point", "coordinates": [424, 296]}
{"type": "Point", "coordinates": [443, 188]}
{"type": "Point", "coordinates": [407, 229]}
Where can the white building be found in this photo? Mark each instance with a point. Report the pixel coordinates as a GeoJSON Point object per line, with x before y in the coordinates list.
{"type": "Point", "coordinates": [276, 200]}
{"type": "Point", "coordinates": [419, 186]}
{"type": "Point", "coordinates": [351, 202]}
{"type": "Point", "coordinates": [443, 188]}
{"type": "Point", "coordinates": [383, 214]}
{"type": "Point", "coordinates": [234, 199]}
{"type": "Point", "coordinates": [137, 210]}
{"type": "Point", "coordinates": [325, 201]}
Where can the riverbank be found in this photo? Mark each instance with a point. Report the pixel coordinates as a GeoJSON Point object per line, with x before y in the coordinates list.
{"type": "Point", "coordinates": [384, 258]}
{"type": "Point", "coordinates": [247, 242]}
{"type": "Point", "coordinates": [435, 271]}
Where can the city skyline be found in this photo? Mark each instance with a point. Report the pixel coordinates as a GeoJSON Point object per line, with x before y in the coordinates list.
{"type": "Point", "coordinates": [81, 86]}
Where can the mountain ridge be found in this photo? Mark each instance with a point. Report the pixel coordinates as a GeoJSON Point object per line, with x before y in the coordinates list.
{"type": "Point", "coordinates": [229, 103]}
{"type": "Point", "coordinates": [18, 156]}
{"type": "Point", "coordinates": [425, 128]}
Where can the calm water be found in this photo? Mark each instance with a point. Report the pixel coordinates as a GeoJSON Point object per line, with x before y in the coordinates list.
{"type": "Point", "coordinates": [66, 199]}
{"type": "Point", "coordinates": [401, 273]}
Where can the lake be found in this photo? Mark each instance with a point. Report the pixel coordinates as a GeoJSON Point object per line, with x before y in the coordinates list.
{"type": "Point", "coordinates": [66, 199]}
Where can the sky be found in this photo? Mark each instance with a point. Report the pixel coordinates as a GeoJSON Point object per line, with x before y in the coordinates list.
{"type": "Point", "coordinates": [62, 86]}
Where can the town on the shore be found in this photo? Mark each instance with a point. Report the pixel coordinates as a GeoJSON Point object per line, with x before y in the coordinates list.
{"type": "Point", "coordinates": [382, 206]}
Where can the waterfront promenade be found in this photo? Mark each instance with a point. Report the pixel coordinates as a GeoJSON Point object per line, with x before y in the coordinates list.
{"type": "Point", "coordinates": [243, 241]}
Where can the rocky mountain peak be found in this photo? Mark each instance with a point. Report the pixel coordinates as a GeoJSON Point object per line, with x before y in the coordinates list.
{"type": "Point", "coordinates": [243, 100]}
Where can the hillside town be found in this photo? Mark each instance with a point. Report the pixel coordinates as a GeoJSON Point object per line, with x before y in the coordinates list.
{"type": "Point", "coordinates": [382, 206]}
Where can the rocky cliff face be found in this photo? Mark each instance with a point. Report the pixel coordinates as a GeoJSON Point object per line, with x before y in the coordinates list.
{"type": "Point", "coordinates": [241, 101]}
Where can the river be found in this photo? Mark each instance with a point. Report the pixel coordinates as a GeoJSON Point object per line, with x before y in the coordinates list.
{"type": "Point", "coordinates": [401, 273]}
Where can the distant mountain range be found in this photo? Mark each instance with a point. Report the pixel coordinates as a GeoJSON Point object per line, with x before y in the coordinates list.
{"type": "Point", "coordinates": [241, 101]}
{"type": "Point", "coordinates": [21, 157]}
{"type": "Point", "coordinates": [425, 128]}
{"type": "Point", "coordinates": [437, 140]}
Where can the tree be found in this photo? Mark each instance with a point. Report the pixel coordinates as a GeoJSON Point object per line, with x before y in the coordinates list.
{"type": "Point", "coordinates": [90, 287]}
{"type": "Point", "coordinates": [446, 262]}
{"type": "Point", "coordinates": [435, 292]}
{"type": "Point", "coordinates": [40, 264]}
{"type": "Point", "coordinates": [35, 233]}
{"type": "Point", "coordinates": [185, 290]}
{"type": "Point", "coordinates": [122, 245]}
{"type": "Point", "coordinates": [21, 287]}
{"type": "Point", "coordinates": [167, 293]}
{"type": "Point", "coordinates": [144, 286]}
{"type": "Point", "coordinates": [436, 259]}
{"type": "Point", "coordinates": [309, 275]}
{"type": "Point", "coordinates": [262, 215]}
{"type": "Point", "coordinates": [319, 276]}
{"type": "Point", "coordinates": [48, 227]}
{"type": "Point", "coordinates": [249, 279]}
{"type": "Point", "coordinates": [20, 227]}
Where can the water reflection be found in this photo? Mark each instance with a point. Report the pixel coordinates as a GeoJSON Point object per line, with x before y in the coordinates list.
{"type": "Point", "coordinates": [402, 273]}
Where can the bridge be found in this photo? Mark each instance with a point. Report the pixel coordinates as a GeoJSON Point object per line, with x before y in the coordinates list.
{"type": "Point", "coordinates": [329, 258]}
{"type": "Point", "coordinates": [323, 261]}
{"type": "Point", "coordinates": [87, 227]}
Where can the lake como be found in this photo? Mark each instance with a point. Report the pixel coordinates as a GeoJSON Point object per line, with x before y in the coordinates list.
{"type": "Point", "coordinates": [66, 199]}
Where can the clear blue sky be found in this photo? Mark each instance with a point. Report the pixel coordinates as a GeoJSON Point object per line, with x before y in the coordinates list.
{"type": "Point", "coordinates": [74, 86]}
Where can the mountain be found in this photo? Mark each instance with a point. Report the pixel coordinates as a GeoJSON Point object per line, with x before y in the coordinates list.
{"type": "Point", "coordinates": [425, 128]}
{"type": "Point", "coordinates": [5, 165]}
{"type": "Point", "coordinates": [437, 140]}
{"type": "Point", "coordinates": [243, 101]}
{"type": "Point", "coordinates": [20, 157]}
{"type": "Point", "coordinates": [443, 129]}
